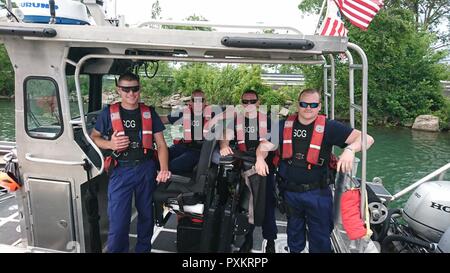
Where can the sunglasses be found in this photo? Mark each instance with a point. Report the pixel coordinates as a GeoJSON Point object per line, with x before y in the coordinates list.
{"type": "Point", "coordinates": [127, 89]}
{"type": "Point", "coordinates": [311, 104]}
{"type": "Point", "coordinates": [249, 101]}
{"type": "Point", "coordinates": [197, 99]}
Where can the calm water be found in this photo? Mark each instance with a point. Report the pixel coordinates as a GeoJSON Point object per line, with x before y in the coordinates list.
{"type": "Point", "coordinates": [7, 120]}
{"type": "Point", "coordinates": [399, 156]}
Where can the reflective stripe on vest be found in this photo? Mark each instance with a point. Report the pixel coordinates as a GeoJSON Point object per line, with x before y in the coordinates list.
{"type": "Point", "coordinates": [187, 112]}
{"type": "Point", "coordinates": [316, 139]}
{"type": "Point", "coordinates": [240, 134]}
{"type": "Point", "coordinates": [187, 124]}
{"type": "Point", "coordinates": [147, 125]}
{"type": "Point", "coordinates": [207, 116]}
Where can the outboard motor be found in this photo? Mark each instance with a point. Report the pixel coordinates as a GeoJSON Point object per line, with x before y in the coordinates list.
{"type": "Point", "coordinates": [427, 210]}
{"type": "Point", "coordinates": [66, 11]}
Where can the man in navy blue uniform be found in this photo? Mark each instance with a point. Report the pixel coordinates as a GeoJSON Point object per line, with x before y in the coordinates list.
{"type": "Point", "coordinates": [307, 139]}
{"type": "Point", "coordinates": [249, 131]}
{"type": "Point", "coordinates": [129, 129]}
{"type": "Point", "coordinates": [184, 154]}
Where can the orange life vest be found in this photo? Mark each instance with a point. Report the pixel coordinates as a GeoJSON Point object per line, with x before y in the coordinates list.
{"type": "Point", "coordinates": [316, 139]}
{"type": "Point", "coordinates": [240, 134]}
{"type": "Point", "coordinates": [187, 112]}
{"type": "Point", "coordinates": [147, 125]}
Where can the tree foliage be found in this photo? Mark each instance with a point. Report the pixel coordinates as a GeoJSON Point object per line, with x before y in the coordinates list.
{"type": "Point", "coordinates": [156, 10]}
{"type": "Point", "coordinates": [427, 13]}
{"type": "Point", "coordinates": [6, 74]}
{"type": "Point", "coordinates": [163, 84]}
{"type": "Point", "coordinates": [404, 72]}
{"type": "Point", "coordinates": [222, 85]}
{"type": "Point", "coordinates": [194, 18]}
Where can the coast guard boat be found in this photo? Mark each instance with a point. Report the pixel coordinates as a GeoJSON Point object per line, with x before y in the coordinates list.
{"type": "Point", "coordinates": [61, 203]}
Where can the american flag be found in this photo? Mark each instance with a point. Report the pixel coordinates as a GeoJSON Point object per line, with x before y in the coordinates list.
{"type": "Point", "coordinates": [332, 25]}
{"type": "Point", "coordinates": [359, 12]}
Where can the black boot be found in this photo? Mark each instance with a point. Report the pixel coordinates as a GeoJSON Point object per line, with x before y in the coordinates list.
{"type": "Point", "coordinates": [270, 246]}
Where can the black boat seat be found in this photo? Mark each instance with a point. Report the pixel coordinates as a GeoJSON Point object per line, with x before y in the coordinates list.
{"type": "Point", "coordinates": [173, 188]}
{"type": "Point", "coordinates": [189, 189]}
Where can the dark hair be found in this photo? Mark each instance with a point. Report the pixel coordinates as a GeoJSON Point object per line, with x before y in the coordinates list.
{"type": "Point", "coordinates": [128, 76]}
{"type": "Point", "coordinates": [250, 91]}
{"type": "Point", "coordinates": [310, 91]}
{"type": "Point", "coordinates": [198, 91]}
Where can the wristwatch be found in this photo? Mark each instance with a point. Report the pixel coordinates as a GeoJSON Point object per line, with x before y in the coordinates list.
{"type": "Point", "coordinates": [350, 149]}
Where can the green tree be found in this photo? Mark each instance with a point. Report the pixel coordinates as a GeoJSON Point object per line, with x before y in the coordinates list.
{"type": "Point", "coordinates": [427, 13]}
{"type": "Point", "coordinates": [404, 71]}
{"type": "Point", "coordinates": [193, 17]}
{"type": "Point", "coordinates": [159, 86]}
{"type": "Point", "coordinates": [193, 76]}
{"type": "Point", "coordinates": [310, 6]}
{"type": "Point", "coordinates": [156, 10]}
{"type": "Point", "coordinates": [6, 73]}
{"type": "Point", "coordinates": [222, 85]}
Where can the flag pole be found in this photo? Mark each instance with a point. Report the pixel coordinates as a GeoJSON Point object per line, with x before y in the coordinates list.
{"type": "Point", "coordinates": [320, 13]}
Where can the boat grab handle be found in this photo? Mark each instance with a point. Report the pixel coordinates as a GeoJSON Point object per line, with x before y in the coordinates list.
{"type": "Point", "coordinates": [31, 158]}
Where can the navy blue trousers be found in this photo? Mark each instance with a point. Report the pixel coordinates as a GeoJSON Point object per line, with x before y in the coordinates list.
{"type": "Point", "coordinates": [182, 159]}
{"type": "Point", "coordinates": [123, 183]}
{"type": "Point", "coordinates": [312, 218]}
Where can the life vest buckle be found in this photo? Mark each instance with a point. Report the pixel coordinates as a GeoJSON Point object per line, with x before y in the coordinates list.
{"type": "Point", "coordinates": [320, 161]}
{"type": "Point", "coordinates": [299, 156]}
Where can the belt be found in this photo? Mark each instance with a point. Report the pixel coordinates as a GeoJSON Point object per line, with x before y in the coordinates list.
{"type": "Point", "coordinates": [130, 163]}
{"type": "Point", "coordinates": [303, 187]}
{"type": "Point", "coordinates": [302, 158]}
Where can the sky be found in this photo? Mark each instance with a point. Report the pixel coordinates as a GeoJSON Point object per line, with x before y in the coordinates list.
{"type": "Point", "coordinates": [248, 12]}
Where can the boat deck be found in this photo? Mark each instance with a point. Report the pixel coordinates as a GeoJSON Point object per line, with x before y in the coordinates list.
{"type": "Point", "coordinates": [164, 238]}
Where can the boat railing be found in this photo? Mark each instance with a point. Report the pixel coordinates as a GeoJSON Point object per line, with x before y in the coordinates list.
{"type": "Point", "coordinates": [6, 146]}
{"type": "Point", "coordinates": [440, 173]}
{"type": "Point", "coordinates": [329, 101]}
{"type": "Point", "coordinates": [5, 149]}
{"type": "Point", "coordinates": [210, 24]}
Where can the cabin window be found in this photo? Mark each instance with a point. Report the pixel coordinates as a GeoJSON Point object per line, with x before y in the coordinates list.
{"type": "Point", "coordinates": [42, 106]}
{"type": "Point", "coordinates": [73, 99]}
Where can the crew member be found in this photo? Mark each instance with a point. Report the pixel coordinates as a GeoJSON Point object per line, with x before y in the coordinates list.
{"type": "Point", "coordinates": [307, 139]}
{"type": "Point", "coordinates": [184, 154]}
{"type": "Point", "coordinates": [250, 129]}
{"type": "Point", "coordinates": [129, 129]}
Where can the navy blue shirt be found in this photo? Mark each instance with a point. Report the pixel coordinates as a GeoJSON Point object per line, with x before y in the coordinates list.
{"type": "Point", "coordinates": [336, 133]}
{"type": "Point", "coordinates": [133, 128]}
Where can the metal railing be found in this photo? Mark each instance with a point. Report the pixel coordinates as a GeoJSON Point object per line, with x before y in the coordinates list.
{"type": "Point", "coordinates": [329, 99]}
{"type": "Point", "coordinates": [6, 146]}
{"type": "Point", "coordinates": [439, 172]}
{"type": "Point", "coordinates": [210, 24]}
